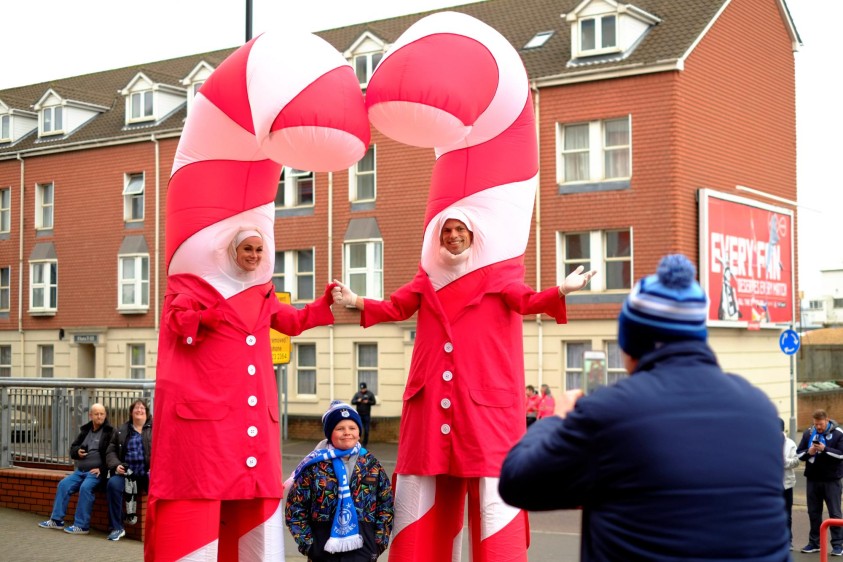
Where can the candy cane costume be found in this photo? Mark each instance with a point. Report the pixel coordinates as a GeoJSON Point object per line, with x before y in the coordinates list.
{"type": "Point", "coordinates": [453, 83]}
{"type": "Point", "coordinates": [216, 483]}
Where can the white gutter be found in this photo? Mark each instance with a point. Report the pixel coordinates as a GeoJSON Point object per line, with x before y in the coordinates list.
{"type": "Point", "coordinates": [97, 143]}
{"type": "Point", "coordinates": [331, 365]}
{"type": "Point", "coordinates": [20, 265]}
{"type": "Point", "coordinates": [539, 326]}
{"type": "Point", "coordinates": [157, 251]}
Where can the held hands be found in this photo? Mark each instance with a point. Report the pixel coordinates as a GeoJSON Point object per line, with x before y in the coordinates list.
{"type": "Point", "coordinates": [343, 295]}
{"type": "Point", "coordinates": [575, 281]}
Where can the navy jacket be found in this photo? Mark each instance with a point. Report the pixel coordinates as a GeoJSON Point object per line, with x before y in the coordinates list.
{"type": "Point", "coordinates": [680, 461]}
{"type": "Point", "coordinates": [825, 466]}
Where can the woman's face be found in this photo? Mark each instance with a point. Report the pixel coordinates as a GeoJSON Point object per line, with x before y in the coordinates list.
{"type": "Point", "coordinates": [346, 434]}
{"type": "Point", "coordinates": [249, 253]}
{"type": "Point", "coordinates": [139, 414]}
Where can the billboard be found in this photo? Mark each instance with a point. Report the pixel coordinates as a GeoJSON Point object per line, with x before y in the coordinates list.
{"type": "Point", "coordinates": [746, 261]}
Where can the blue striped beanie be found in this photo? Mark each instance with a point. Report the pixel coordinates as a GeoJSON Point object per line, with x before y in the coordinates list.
{"type": "Point", "coordinates": [337, 412]}
{"type": "Point", "coordinates": [668, 306]}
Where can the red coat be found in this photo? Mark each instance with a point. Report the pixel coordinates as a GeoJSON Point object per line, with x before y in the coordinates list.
{"type": "Point", "coordinates": [464, 399]}
{"type": "Point", "coordinates": [217, 430]}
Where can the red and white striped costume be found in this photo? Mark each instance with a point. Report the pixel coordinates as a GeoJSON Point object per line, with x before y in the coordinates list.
{"type": "Point", "coordinates": [216, 488]}
{"type": "Point", "coordinates": [453, 83]}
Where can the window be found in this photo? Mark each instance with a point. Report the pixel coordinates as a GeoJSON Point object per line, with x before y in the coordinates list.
{"type": "Point", "coordinates": [838, 303]}
{"type": "Point", "coordinates": [44, 206]}
{"type": "Point", "coordinates": [305, 368]}
{"type": "Point", "coordinates": [815, 305]}
{"type": "Point", "coordinates": [5, 360]}
{"type": "Point", "coordinates": [51, 120]}
{"type": "Point", "coordinates": [136, 353]}
{"type": "Point", "coordinates": [43, 286]}
{"type": "Point", "coordinates": [608, 252]}
{"type": "Point", "coordinates": [538, 39]}
{"type": "Point", "coordinates": [574, 363]}
{"type": "Point", "coordinates": [133, 199]}
{"type": "Point", "coordinates": [595, 151]}
{"type": "Point", "coordinates": [367, 365]}
{"type": "Point", "coordinates": [141, 105]}
{"type": "Point", "coordinates": [5, 210]}
{"type": "Point", "coordinates": [5, 127]}
{"type": "Point", "coordinates": [614, 363]}
{"type": "Point", "coordinates": [133, 282]}
{"type": "Point", "coordinates": [364, 66]}
{"type": "Point", "coordinates": [46, 364]}
{"type": "Point", "coordinates": [295, 188]}
{"type": "Point", "coordinates": [598, 34]}
{"type": "Point", "coordinates": [364, 268]}
{"type": "Point", "coordinates": [363, 178]}
{"type": "Point", "coordinates": [300, 281]}
{"type": "Point", "coordinates": [5, 288]}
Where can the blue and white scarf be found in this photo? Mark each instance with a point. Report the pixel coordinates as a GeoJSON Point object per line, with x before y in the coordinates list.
{"type": "Point", "coordinates": [345, 534]}
{"type": "Point", "coordinates": [819, 437]}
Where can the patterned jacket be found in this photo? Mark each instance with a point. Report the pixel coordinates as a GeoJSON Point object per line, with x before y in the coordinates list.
{"type": "Point", "coordinates": [313, 498]}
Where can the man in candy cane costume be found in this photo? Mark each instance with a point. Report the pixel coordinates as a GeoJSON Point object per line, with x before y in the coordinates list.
{"type": "Point", "coordinates": [215, 479]}
{"type": "Point", "coordinates": [453, 83]}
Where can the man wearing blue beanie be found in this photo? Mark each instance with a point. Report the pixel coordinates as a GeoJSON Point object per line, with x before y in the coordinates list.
{"type": "Point", "coordinates": [679, 461]}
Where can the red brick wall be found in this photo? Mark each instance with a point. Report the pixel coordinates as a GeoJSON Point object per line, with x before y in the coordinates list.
{"type": "Point", "coordinates": [34, 490]}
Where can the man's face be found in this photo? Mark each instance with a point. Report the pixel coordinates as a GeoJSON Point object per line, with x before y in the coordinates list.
{"type": "Point", "coordinates": [821, 425]}
{"type": "Point", "coordinates": [455, 237]}
{"type": "Point", "coordinates": [97, 415]}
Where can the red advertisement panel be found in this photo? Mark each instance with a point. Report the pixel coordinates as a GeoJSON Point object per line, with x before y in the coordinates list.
{"type": "Point", "coordinates": [748, 253]}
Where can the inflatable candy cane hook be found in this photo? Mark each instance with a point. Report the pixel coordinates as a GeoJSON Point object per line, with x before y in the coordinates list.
{"type": "Point", "coordinates": [455, 84]}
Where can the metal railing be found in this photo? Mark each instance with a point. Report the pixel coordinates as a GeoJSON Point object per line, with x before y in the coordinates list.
{"type": "Point", "coordinates": [40, 418]}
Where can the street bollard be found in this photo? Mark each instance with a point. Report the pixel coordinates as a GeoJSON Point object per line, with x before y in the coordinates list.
{"type": "Point", "coordinates": [824, 536]}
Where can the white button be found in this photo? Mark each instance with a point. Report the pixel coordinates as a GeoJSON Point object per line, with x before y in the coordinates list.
{"type": "Point", "coordinates": [253, 400]}
{"type": "Point", "coordinates": [251, 462]}
{"type": "Point", "coordinates": [251, 369]}
{"type": "Point", "coordinates": [449, 347]}
{"type": "Point", "coordinates": [445, 429]}
{"type": "Point", "coordinates": [251, 340]}
{"type": "Point", "coordinates": [447, 375]}
{"type": "Point", "coordinates": [252, 431]}
{"type": "Point", "coordinates": [445, 403]}
{"type": "Point", "coordinates": [189, 340]}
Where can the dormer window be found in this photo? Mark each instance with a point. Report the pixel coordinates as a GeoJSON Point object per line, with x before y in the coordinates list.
{"type": "Point", "coordinates": [599, 34]}
{"type": "Point", "coordinates": [142, 103]}
{"type": "Point", "coordinates": [364, 66]}
{"type": "Point", "coordinates": [364, 55]}
{"type": "Point", "coordinates": [194, 80]}
{"type": "Point", "coordinates": [5, 128]}
{"type": "Point", "coordinates": [51, 120]}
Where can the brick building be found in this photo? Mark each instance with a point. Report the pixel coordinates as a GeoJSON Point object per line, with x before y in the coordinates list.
{"type": "Point", "coordinates": [639, 107]}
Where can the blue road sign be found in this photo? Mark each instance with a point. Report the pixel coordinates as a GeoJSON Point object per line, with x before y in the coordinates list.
{"type": "Point", "coordinates": [789, 342]}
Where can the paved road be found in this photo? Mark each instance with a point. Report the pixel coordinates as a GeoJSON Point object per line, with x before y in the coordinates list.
{"type": "Point", "coordinates": [554, 535]}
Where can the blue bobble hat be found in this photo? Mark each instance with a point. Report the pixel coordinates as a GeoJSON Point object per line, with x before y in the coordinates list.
{"type": "Point", "coordinates": [337, 412]}
{"type": "Point", "coordinates": [665, 307]}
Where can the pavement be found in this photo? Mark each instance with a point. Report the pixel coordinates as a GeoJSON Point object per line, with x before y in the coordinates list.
{"type": "Point", "coordinates": [554, 535]}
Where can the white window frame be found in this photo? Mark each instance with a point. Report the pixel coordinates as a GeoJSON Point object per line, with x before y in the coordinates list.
{"type": "Point", "coordinates": [46, 361]}
{"type": "Point", "coordinates": [142, 112]}
{"type": "Point", "coordinates": [138, 284]}
{"type": "Point", "coordinates": [52, 120]}
{"type": "Point", "coordinates": [372, 271]}
{"type": "Point", "coordinates": [5, 210]}
{"type": "Point", "coordinates": [305, 370]}
{"type": "Point", "coordinates": [5, 361]}
{"type": "Point", "coordinates": [366, 373]}
{"type": "Point", "coordinates": [599, 46]}
{"type": "Point", "coordinates": [574, 363]}
{"type": "Point", "coordinates": [48, 286]}
{"type": "Point", "coordinates": [355, 176]}
{"type": "Point", "coordinates": [5, 289]}
{"type": "Point", "coordinates": [136, 371]}
{"type": "Point", "coordinates": [5, 127]}
{"type": "Point", "coordinates": [615, 369]}
{"type": "Point", "coordinates": [364, 65]}
{"type": "Point", "coordinates": [289, 276]}
{"type": "Point", "coordinates": [539, 39]}
{"type": "Point", "coordinates": [134, 188]}
{"type": "Point", "coordinates": [598, 152]}
{"type": "Point", "coordinates": [293, 186]}
{"type": "Point", "coordinates": [45, 206]}
{"type": "Point", "coordinates": [596, 259]}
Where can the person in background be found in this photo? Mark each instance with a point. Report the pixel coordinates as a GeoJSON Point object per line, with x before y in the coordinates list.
{"type": "Point", "coordinates": [363, 400]}
{"type": "Point", "coordinates": [678, 461]}
{"type": "Point", "coordinates": [88, 452]}
{"type": "Point", "coordinates": [339, 503]}
{"type": "Point", "coordinates": [821, 448]}
{"type": "Point", "coordinates": [532, 402]}
{"type": "Point", "coordinates": [791, 461]}
{"type": "Point", "coordinates": [128, 459]}
{"type": "Point", "coordinates": [547, 404]}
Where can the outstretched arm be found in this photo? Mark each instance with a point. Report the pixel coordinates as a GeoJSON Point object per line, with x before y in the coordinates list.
{"type": "Point", "coordinates": [292, 321]}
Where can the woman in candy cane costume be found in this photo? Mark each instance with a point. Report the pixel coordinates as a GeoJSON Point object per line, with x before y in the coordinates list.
{"type": "Point", "coordinates": [216, 486]}
{"type": "Point", "coordinates": [454, 83]}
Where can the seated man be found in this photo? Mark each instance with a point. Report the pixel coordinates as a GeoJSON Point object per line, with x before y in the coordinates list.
{"type": "Point", "coordinates": [88, 452]}
{"type": "Point", "coordinates": [128, 461]}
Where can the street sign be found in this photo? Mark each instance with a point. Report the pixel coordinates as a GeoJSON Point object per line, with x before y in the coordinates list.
{"type": "Point", "coordinates": [280, 342]}
{"type": "Point", "coordinates": [789, 342]}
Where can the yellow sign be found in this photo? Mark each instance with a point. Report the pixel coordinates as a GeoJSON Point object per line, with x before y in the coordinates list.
{"type": "Point", "coordinates": [280, 342]}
